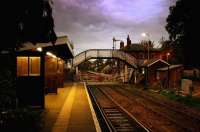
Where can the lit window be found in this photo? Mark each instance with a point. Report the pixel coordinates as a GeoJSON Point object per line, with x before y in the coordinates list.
{"type": "Point", "coordinates": [22, 66]}
{"type": "Point", "coordinates": [60, 66]}
{"type": "Point", "coordinates": [34, 66]}
{"type": "Point", "coordinates": [44, 13]}
{"type": "Point", "coordinates": [28, 66]}
{"type": "Point", "coordinates": [21, 26]}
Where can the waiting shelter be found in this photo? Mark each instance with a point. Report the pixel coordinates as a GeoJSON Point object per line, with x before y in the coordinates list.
{"type": "Point", "coordinates": [40, 70]}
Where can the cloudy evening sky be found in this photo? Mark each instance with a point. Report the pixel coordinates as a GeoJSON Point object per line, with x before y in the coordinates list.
{"type": "Point", "coordinates": [93, 23]}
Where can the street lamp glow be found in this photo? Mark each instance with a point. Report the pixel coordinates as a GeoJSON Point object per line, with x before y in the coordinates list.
{"type": "Point", "coordinates": [168, 54]}
{"type": "Point", "coordinates": [145, 34]}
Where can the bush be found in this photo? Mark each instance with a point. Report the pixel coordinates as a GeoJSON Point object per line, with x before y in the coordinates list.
{"type": "Point", "coordinates": [21, 120]}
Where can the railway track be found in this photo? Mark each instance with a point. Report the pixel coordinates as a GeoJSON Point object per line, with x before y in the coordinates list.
{"type": "Point", "coordinates": [179, 113]}
{"type": "Point", "coordinates": [114, 116]}
{"type": "Point", "coordinates": [165, 104]}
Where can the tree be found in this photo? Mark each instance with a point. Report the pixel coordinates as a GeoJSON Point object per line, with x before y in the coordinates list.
{"type": "Point", "coordinates": [86, 66]}
{"type": "Point", "coordinates": [146, 43]}
{"type": "Point", "coordinates": [99, 63]}
{"type": "Point", "coordinates": [182, 26]}
{"type": "Point", "coordinates": [109, 62]}
{"type": "Point", "coordinates": [29, 21]}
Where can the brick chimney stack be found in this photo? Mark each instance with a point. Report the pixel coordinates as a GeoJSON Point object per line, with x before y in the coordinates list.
{"type": "Point", "coordinates": [128, 41]}
{"type": "Point", "coordinates": [121, 44]}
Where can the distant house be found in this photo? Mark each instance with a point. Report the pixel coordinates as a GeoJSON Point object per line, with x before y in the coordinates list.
{"type": "Point", "coordinates": [140, 51]}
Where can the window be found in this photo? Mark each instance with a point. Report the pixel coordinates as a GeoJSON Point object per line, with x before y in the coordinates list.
{"type": "Point", "coordinates": [60, 66]}
{"type": "Point", "coordinates": [28, 66]}
{"type": "Point", "coordinates": [22, 66]}
{"type": "Point", "coordinates": [34, 66]}
{"type": "Point", "coordinates": [44, 13]}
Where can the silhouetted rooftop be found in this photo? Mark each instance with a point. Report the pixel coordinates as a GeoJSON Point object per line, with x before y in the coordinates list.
{"type": "Point", "coordinates": [170, 67]}
{"type": "Point", "coordinates": [138, 47]}
{"type": "Point", "coordinates": [148, 63]}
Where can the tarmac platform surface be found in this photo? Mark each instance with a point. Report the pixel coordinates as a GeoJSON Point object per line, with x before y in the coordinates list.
{"type": "Point", "coordinates": [70, 110]}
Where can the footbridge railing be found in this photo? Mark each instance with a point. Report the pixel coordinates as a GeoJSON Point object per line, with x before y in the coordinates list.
{"type": "Point", "coordinates": [104, 54]}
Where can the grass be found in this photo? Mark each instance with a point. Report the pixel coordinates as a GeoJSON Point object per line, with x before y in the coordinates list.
{"type": "Point", "coordinates": [187, 100]}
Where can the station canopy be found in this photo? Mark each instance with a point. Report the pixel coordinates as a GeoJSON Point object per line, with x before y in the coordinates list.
{"type": "Point", "coordinates": [62, 48]}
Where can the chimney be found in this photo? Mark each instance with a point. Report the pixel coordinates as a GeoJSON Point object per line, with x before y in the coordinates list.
{"type": "Point", "coordinates": [121, 44]}
{"type": "Point", "coordinates": [128, 41]}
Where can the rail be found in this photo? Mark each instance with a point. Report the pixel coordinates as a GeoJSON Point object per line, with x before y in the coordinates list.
{"type": "Point", "coordinates": [103, 121]}
{"type": "Point", "coordinates": [116, 116]}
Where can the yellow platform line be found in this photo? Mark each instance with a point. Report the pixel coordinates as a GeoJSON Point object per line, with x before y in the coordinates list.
{"type": "Point", "coordinates": [65, 113]}
{"type": "Point", "coordinates": [96, 123]}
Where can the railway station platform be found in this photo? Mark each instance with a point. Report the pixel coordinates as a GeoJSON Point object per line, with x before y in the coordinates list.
{"type": "Point", "coordinates": [70, 110]}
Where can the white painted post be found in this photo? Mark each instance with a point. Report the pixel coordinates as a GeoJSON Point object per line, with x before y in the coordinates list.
{"type": "Point", "coordinates": [135, 76]}
{"type": "Point", "coordinates": [76, 70]}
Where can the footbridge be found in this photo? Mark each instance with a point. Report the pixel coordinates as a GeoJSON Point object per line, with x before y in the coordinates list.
{"type": "Point", "coordinates": [104, 54]}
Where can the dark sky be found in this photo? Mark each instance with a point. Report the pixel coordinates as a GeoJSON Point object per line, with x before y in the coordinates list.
{"type": "Point", "coordinates": [93, 23]}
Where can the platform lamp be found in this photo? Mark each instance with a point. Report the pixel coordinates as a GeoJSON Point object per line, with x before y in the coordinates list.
{"type": "Point", "coordinates": [168, 54]}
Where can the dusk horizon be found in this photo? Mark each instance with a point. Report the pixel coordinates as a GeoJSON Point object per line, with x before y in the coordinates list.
{"type": "Point", "coordinates": [91, 24]}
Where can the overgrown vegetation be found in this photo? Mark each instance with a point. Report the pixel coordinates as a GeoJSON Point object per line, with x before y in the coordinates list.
{"type": "Point", "coordinates": [13, 118]}
{"type": "Point", "coordinates": [21, 120]}
{"type": "Point", "coordinates": [187, 100]}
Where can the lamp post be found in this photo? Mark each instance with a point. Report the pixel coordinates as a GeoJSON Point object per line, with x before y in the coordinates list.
{"type": "Point", "coordinates": [147, 35]}
{"type": "Point", "coordinates": [114, 46]}
{"type": "Point", "coordinates": [168, 54]}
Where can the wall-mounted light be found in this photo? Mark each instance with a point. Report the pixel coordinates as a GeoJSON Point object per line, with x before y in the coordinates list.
{"type": "Point", "coordinates": [168, 54]}
{"type": "Point", "coordinates": [143, 71]}
{"type": "Point", "coordinates": [53, 56]}
{"type": "Point", "coordinates": [50, 54]}
{"type": "Point", "coordinates": [39, 49]}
